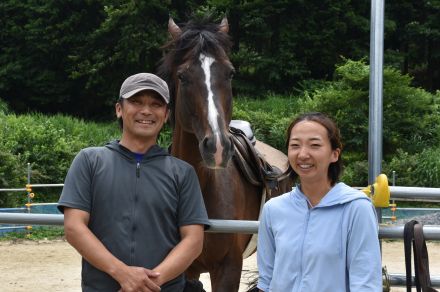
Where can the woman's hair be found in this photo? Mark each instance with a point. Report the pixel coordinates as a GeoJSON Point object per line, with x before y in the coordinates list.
{"type": "Point", "coordinates": [334, 136]}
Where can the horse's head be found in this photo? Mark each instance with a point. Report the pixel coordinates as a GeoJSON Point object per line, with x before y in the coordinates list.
{"type": "Point", "coordinates": [198, 71]}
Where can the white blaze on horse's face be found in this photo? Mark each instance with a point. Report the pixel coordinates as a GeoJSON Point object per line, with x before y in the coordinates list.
{"type": "Point", "coordinates": [206, 62]}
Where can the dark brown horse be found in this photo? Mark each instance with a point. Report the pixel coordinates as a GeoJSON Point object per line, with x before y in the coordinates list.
{"type": "Point", "coordinates": [199, 73]}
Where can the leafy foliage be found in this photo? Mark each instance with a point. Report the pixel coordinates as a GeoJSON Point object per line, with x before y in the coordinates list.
{"type": "Point", "coordinates": [37, 40]}
{"type": "Point", "coordinates": [127, 40]}
{"type": "Point", "coordinates": [411, 131]}
{"type": "Point", "coordinates": [49, 144]}
{"type": "Point", "coordinates": [410, 115]}
{"type": "Point", "coordinates": [413, 36]}
{"type": "Point", "coordinates": [420, 169]}
{"type": "Point", "coordinates": [71, 56]}
{"type": "Point", "coordinates": [4, 109]}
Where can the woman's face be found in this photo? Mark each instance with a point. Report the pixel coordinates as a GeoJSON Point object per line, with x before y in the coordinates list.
{"type": "Point", "coordinates": [310, 152]}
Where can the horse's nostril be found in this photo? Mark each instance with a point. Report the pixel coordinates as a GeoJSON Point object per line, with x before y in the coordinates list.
{"type": "Point", "coordinates": [208, 144]}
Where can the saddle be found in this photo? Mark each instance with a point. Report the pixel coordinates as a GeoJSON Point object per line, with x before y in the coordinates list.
{"type": "Point", "coordinates": [253, 166]}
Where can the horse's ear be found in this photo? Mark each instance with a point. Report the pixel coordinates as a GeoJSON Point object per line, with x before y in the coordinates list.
{"type": "Point", "coordinates": [224, 25]}
{"type": "Point", "coordinates": [174, 29]}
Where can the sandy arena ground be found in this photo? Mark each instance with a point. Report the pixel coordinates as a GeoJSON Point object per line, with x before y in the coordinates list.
{"type": "Point", "coordinates": [48, 266]}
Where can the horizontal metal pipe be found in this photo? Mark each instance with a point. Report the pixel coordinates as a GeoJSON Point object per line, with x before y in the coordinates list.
{"type": "Point", "coordinates": [13, 190]}
{"type": "Point", "coordinates": [431, 232]}
{"type": "Point", "coordinates": [43, 204]}
{"type": "Point", "coordinates": [3, 228]}
{"type": "Point", "coordinates": [10, 210]}
{"type": "Point", "coordinates": [235, 226]}
{"type": "Point", "coordinates": [400, 280]}
{"type": "Point", "coordinates": [418, 209]}
{"type": "Point", "coordinates": [45, 185]}
{"type": "Point", "coordinates": [415, 194]}
{"type": "Point", "coordinates": [35, 219]}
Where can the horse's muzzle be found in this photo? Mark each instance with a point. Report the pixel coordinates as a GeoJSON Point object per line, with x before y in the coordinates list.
{"type": "Point", "coordinates": [217, 150]}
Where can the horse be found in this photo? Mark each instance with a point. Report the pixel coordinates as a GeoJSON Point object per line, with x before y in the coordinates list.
{"type": "Point", "coordinates": [198, 72]}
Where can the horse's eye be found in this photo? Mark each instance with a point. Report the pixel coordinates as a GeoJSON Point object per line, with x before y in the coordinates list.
{"type": "Point", "coordinates": [181, 77]}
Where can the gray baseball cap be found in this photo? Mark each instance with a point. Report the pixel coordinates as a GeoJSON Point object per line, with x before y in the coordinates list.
{"type": "Point", "coordinates": [144, 81]}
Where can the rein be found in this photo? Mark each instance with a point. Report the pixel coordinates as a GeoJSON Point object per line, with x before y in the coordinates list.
{"type": "Point", "coordinates": [413, 235]}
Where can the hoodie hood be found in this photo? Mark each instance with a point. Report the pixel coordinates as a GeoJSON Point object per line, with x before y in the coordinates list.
{"type": "Point", "coordinates": [339, 194]}
{"type": "Point", "coordinates": [154, 151]}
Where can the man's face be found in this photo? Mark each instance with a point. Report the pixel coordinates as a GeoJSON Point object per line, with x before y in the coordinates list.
{"type": "Point", "coordinates": [143, 116]}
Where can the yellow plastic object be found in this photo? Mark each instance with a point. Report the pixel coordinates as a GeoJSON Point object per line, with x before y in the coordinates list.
{"type": "Point", "coordinates": [31, 195]}
{"type": "Point", "coordinates": [29, 227]}
{"type": "Point", "coordinates": [379, 192]}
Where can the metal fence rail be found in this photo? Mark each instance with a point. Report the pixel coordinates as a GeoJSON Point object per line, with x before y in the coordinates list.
{"type": "Point", "coordinates": [13, 190]}
{"type": "Point", "coordinates": [431, 232]}
{"type": "Point", "coordinates": [415, 194]}
{"type": "Point", "coordinates": [32, 186]}
{"type": "Point", "coordinates": [400, 280]}
{"type": "Point", "coordinates": [397, 193]}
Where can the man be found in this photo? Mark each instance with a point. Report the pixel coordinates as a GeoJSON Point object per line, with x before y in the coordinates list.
{"type": "Point", "coordinates": [134, 213]}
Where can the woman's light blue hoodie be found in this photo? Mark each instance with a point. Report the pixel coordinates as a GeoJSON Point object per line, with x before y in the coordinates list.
{"type": "Point", "coordinates": [333, 246]}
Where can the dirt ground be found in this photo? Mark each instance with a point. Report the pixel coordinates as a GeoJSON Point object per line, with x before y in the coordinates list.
{"type": "Point", "coordinates": [48, 266]}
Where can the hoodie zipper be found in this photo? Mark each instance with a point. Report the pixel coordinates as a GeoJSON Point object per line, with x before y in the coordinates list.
{"type": "Point", "coordinates": [302, 248]}
{"type": "Point", "coordinates": [133, 243]}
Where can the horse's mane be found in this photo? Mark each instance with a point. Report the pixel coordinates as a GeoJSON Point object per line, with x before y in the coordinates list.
{"type": "Point", "coordinates": [198, 36]}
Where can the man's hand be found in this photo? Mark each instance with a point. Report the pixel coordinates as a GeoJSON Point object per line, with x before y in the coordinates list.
{"type": "Point", "coordinates": [135, 279]}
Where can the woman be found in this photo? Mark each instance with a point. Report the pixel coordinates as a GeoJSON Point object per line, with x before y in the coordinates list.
{"type": "Point", "coordinates": [323, 235]}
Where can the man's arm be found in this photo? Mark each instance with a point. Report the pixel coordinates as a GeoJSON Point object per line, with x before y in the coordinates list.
{"type": "Point", "coordinates": [182, 255]}
{"type": "Point", "coordinates": [88, 245]}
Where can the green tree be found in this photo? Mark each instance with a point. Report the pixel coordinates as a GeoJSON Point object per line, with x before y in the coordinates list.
{"type": "Point", "coordinates": [279, 44]}
{"type": "Point", "coordinates": [411, 116]}
{"type": "Point", "coordinates": [37, 38]}
{"type": "Point", "coordinates": [414, 38]}
{"type": "Point", "coordinates": [126, 41]}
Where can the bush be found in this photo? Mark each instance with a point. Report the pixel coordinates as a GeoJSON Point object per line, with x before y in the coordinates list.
{"type": "Point", "coordinates": [428, 168]}
{"type": "Point", "coordinates": [268, 116]}
{"type": "Point", "coordinates": [12, 174]}
{"type": "Point", "coordinates": [419, 169]}
{"type": "Point", "coordinates": [49, 144]}
{"type": "Point", "coordinates": [405, 165]}
{"type": "Point", "coordinates": [4, 109]}
{"type": "Point", "coordinates": [411, 116]}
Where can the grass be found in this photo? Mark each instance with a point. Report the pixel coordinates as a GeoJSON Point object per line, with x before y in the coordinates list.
{"type": "Point", "coordinates": [36, 234]}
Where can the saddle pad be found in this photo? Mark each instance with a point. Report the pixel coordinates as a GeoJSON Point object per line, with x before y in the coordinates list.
{"type": "Point", "coordinates": [273, 156]}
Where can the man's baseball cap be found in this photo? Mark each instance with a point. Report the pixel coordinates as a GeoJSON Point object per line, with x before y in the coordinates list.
{"type": "Point", "coordinates": [144, 81]}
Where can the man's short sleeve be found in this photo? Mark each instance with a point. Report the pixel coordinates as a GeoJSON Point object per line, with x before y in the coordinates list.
{"type": "Point", "coordinates": [77, 185]}
{"type": "Point", "coordinates": [191, 208]}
